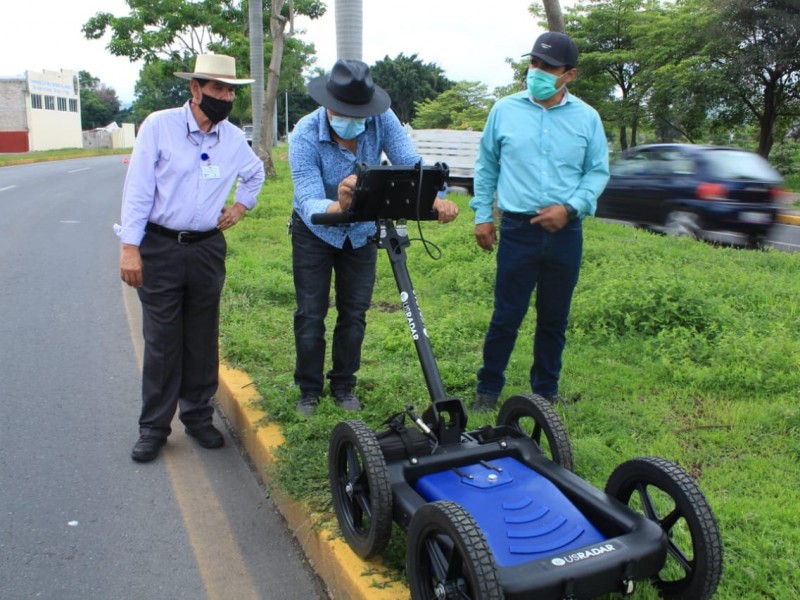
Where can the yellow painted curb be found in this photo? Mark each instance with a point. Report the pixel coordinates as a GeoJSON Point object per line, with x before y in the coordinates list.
{"type": "Point", "coordinates": [345, 574]}
{"type": "Point", "coordinates": [787, 219]}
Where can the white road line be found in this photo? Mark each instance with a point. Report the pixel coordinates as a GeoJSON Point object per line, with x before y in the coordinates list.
{"type": "Point", "coordinates": [79, 170]}
{"type": "Point", "coordinates": [8, 187]}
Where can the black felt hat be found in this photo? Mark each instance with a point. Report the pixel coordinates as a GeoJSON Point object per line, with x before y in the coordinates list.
{"type": "Point", "coordinates": [349, 90]}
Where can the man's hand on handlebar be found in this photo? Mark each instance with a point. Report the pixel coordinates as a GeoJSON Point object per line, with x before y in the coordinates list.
{"type": "Point", "coordinates": [347, 188]}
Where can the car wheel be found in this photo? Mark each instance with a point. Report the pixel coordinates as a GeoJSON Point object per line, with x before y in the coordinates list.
{"type": "Point", "coordinates": [683, 223]}
{"type": "Point", "coordinates": [755, 242]}
{"type": "Point", "coordinates": [668, 496]}
{"type": "Point", "coordinates": [362, 495]}
{"type": "Point", "coordinates": [448, 556]}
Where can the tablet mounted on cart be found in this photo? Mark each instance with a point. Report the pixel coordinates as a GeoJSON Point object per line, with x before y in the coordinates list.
{"type": "Point", "coordinates": [392, 192]}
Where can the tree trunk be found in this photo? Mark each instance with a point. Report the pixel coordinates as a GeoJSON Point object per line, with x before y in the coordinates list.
{"type": "Point", "coordinates": [256, 25]}
{"type": "Point", "coordinates": [349, 29]}
{"type": "Point", "coordinates": [767, 121]}
{"type": "Point", "coordinates": [555, 18]}
{"type": "Point", "coordinates": [277, 23]}
{"type": "Point", "coordinates": [623, 138]}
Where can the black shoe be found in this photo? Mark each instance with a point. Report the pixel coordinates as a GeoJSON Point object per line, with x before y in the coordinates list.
{"type": "Point", "coordinates": [346, 399]}
{"type": "Point", "coordinates": [555, 400]}
{"type": "Point", "coordinates": [484, 402]}
{"type": "Point", "coordinates": [307, 404]}
{"type": "Point", "coordinates": [208, 436]}
{"type": "Point", "coordinates": [147, 448]}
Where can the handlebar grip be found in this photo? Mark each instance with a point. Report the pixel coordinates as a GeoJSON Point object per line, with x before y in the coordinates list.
{"type": "Point", "coordinates": [331, 218]}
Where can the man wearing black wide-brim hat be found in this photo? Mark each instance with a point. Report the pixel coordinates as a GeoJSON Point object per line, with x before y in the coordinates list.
{"type": "Point", "coordinates": [353, 124]}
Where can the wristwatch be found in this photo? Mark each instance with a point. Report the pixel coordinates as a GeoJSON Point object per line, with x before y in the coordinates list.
{"type": "Point", "coordinates": [572, 213]}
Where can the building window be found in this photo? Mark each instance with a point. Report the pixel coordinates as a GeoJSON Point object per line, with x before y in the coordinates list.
{"type": "Point", "coordinates": [49, 103]}
{"type": "Point", "coordinates": [36, 101]}
{"type": "Point", "coordinates": [73, 105]}
{"type": "Point", "coordinates": [62, 104]}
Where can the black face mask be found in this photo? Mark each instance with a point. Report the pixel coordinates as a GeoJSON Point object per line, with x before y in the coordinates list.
{"type": "Point", "coordinates": [215, 109]}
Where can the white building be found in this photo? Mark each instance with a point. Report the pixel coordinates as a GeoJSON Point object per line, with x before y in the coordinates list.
{"type": "Point", "coordinates": [41, 111]}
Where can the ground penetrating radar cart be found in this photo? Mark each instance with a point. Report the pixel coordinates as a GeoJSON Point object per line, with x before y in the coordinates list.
{"type": "Point", "coordinates": [496, 512]}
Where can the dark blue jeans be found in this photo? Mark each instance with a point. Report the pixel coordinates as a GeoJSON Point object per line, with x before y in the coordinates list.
{"type": "Point", "coordinates": [314, 262]}
{"type": "Point", "coordinates": [529, 258]}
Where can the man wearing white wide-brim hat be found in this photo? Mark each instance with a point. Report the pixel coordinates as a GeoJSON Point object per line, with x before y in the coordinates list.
{"type": "Point", "coordinates": [184, 164]}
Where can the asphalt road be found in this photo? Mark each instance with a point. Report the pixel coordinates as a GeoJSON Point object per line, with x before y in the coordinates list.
{"type": "Point", "coordinates": [782, 237]}
{"type": "Point", "coordinates": [78, 518]}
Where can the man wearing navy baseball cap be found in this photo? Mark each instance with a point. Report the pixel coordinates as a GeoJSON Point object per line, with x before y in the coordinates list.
{"type": "Point", "coordinates": [544, 156]}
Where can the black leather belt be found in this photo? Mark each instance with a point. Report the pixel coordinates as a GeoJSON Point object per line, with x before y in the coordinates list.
{"type": "Point", "coordinates": [182, 237]}
{"type": "Point", "coordinates": [519, 216]}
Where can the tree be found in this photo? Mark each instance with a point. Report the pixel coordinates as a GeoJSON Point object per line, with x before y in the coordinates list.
{"type": "Point", "coordinates": [408, 81]}
{"type": "Point", "coordinates": [172, 32]}
{"type": "Point", "coordinates": [171, 29]}
{"type": "Point", "coordinates": [555, 18]}
{"type": "Point", "coordinates": [611, 62]}
{"type": "Point", "coordinates": [277, 24]}
{"type": "Point", "coordinates": [157, 88]}
{"type": "Point", "coordinates": [464, 106]}
{"type": "Point", "coordinates": [756, 50]}
{"type": "Point", "coordinates": [99, 103]}
{"type": "Point", "coordinates": [255, 22]}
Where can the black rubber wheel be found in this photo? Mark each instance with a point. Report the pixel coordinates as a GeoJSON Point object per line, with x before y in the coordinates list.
{"type": "Point", "coordinates": [448, 557]}
{"type": "Point", "coordinates": [667, 495]}
{"type": "Point", "coordinates": [535, 416]}
{"type": "Point", "coordinates": [362, 496]}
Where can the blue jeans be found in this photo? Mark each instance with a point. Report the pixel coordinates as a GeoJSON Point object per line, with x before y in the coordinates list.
{"type": "Point", "coordinates": [529, 258]}
{"type": "Point", "coordinates": [314, 262]}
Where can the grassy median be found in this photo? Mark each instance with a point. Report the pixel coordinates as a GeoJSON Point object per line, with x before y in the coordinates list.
{"type": "Point", "coordinates": [675, 348]}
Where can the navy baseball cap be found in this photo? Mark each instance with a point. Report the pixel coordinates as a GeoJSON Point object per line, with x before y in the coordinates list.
{"type": "Point", "coordinates": [556, 49]}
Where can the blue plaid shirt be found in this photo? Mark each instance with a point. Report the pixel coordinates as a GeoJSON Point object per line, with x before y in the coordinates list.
{"type": "Point", "coordinates": [318, 164]}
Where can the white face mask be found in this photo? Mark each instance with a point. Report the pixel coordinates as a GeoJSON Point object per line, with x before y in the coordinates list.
{"type": "Point", "coordinates": [348, 128]}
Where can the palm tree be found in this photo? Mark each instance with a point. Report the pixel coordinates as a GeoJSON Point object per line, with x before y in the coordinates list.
{"type": "Point", "coordinates": [256, 22]}
{"type": "Point", "coordinates": [349, 29]}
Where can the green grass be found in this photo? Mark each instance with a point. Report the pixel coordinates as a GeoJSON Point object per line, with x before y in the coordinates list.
{"type": "Point", "coordinates": [24, 158]}
{"type": "Point", "coordinates": [675, 348]}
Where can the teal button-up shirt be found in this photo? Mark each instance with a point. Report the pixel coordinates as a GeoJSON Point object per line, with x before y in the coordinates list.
{"type": "Point", "coordinates": [531, 157]}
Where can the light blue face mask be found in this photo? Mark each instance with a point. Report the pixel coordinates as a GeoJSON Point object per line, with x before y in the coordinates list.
{"type": "Point", "coordinates": [348, 128]}
{"type": "Point", "coordinates": [541, 84]}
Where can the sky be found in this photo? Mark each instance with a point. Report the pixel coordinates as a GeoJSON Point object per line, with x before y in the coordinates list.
{"type": "Point", "coordinates": [468, 39]}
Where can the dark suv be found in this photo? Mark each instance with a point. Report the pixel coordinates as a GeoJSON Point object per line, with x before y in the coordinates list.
{"type": "Point", "coordinates": [686, 189]}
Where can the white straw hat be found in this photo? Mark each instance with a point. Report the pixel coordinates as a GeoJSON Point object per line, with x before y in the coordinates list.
{"type": "Point", "coordinates": [215, 67]}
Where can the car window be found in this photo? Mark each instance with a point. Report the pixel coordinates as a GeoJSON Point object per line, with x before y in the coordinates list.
{"type": "Point", "coordinates": [632, 164]}
{"type": "Point", "coordinates": [658, 162]}
{"type": "Point", "coordinates": [740, 164]}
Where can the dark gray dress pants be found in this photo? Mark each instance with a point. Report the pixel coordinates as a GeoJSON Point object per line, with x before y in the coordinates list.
{"type": "Point", "coordinates": [180, 316]}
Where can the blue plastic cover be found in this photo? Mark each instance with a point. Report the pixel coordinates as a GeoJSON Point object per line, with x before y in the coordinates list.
{"type": "Point", "coordinates": [522, 514]}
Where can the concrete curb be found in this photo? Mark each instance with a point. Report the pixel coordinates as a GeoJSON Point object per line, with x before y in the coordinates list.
{"type": "Point", "coordinates": [788, 219]}
{"type": "Point", "coordinates": [344, 573]}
